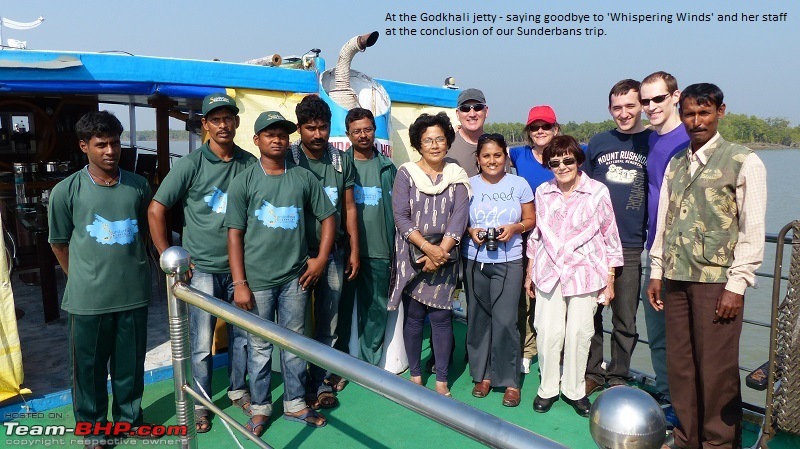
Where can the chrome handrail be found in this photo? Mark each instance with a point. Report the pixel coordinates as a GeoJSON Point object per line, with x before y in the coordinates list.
{"type": "Point", "coordinates": [778, 274]}
{"type": "Point", "coordinates": [476, 424]}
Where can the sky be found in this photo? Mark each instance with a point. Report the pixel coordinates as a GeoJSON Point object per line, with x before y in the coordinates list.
{"type": "Point", "coordinates": [753, 62]}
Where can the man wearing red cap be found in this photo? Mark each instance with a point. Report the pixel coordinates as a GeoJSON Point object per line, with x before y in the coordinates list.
{"type": "Point", "coordinates": [618, 159]}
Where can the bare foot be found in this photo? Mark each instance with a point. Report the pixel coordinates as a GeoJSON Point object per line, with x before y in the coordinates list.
{"type": "Point", "coordinates": [416, 379]}
{"type": "Point", "coordinates": [441, 388]}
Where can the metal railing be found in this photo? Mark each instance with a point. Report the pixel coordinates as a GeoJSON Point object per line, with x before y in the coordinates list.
{"type": "Point", "coordinates": [780, 241]}
{"type": "Point", "coordinates": [476, 424]}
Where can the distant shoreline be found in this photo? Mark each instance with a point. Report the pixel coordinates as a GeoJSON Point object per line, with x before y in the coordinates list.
{"type": "Point", "coordinates": [767, 146]}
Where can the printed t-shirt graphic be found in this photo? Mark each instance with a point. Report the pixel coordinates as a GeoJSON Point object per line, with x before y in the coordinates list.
{"type": "Point", "coordinates": [217, 200]}
{"type": "Point", "coordinates": [368, 196]}
{"type": "Point", "coordinates": [273, 211]}
{"type": "Point", "coordinates": [110, 232]}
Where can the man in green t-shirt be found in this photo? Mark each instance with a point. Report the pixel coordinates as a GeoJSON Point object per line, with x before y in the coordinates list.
{"type": "Point", "coordinates": [267, 219]}
{"type": "Point", "coordinates": [199, 183]}
{"type": "Point", "coordinates": [374, 178]}
{"type": "Point", "coordinates": [336, 174]}
{"type": "Point", "coordinates": [97, 222]}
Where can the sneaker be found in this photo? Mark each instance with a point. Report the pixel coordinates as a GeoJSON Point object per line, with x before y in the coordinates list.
{"type": "Point", "coordinates": [669, 414]}
{"type": "Point", "coordinates": [526, 366]}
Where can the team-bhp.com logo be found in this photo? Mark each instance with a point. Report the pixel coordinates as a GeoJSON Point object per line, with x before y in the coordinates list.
{"type": "Point", "coordinates": [86, 429]}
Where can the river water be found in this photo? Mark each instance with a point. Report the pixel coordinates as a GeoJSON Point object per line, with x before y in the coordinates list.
{"type": "Point", "coordinates": [783, 206]}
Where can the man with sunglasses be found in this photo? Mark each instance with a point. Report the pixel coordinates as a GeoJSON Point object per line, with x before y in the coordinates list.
{"type": "Point", "coordinates": [659, 97]}
{"type": "Point", "coordinates": [472, 112]}
{"type": "Point", "coordinates": [199, 183]}
{"type": "Point", "coordinates": [618, 159]}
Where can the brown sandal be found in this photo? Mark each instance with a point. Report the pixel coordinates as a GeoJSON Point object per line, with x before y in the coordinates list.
{"type": "Point", "coordinates": [326, 399]}
{"type": "Point", "coordinates": [336, 382]}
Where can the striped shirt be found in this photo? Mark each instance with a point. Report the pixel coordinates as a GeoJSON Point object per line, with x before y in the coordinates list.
{"type": "Point", "coordinates": [576, 240]}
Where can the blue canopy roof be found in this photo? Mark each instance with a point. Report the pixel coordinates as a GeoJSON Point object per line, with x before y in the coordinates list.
{"type": "Point", "coordinates": [32, 71]}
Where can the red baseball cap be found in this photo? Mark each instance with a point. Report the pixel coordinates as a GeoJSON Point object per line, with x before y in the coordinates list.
{"type": "Point", "coordinates": [541, 112]}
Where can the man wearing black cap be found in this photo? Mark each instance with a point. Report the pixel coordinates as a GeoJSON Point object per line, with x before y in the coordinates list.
{"type": "Point", "coordinates": [472, 112]}
{"type": "Point", "coordinates": [269, 208]}
{"type": "Point", "coordinates": [199, 183]}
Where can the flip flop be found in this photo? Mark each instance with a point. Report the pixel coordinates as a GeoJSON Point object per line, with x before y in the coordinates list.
{"type": "Point", "coordinates": [336, 382]}
{"type": "Point", "coordinates": [257, 428]}
{"type": "Point", "coordinates": [243, 403]}
{"type": "Point", "coordinates": [303, 418]}
{"type": "Point", "coordinates": [326, 399]}
{"type": "Point", "coordinates": [202, 423]}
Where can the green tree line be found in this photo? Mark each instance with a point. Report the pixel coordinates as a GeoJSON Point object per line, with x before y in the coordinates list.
{"type": "Point", "coordinates": [150, 135]}
{"type": "Point", "coordinates": [741, 128]}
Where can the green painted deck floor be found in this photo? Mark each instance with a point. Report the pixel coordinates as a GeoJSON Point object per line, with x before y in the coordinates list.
{"type": "Point", "coordinates": [362, 420]}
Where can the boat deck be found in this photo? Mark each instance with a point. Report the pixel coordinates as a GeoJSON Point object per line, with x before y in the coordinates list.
{"type": "Point", "coordinates": [362, 420]}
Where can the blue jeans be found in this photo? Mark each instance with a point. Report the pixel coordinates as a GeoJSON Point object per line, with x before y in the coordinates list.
{"type": "Point", "coordinates": [289, 302]}
{"type": "Point", "coordinates": [201, 335]}
{"type": "Point", "coordinates": [327, 293]}
{"type": "Point", "coordinates": [656, 333]}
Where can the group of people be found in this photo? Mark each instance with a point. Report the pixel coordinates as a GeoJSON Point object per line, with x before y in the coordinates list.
{"type": "Point", "coordinates": [539, 253]}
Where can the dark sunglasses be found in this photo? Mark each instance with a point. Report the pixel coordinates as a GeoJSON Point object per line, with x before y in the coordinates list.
{"type": "Point", "coordinates": [478, 107]}
{"type": "Point", "coordinates": [535, 128]}
{"type": "Point", "coordinates": [658, 99]}
{"type": "Point", "coordinates": [567, 161]}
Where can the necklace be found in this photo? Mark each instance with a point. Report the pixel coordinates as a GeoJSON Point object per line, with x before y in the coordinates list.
{"type": "Point", "coordinates": [107, 183]}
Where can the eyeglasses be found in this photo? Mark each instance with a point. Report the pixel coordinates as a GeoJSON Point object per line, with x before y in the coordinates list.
{"type": "Point", "coordinates": [555, 163]}
{"type": "Point", "coordinates": [216, 121]}
{"type": "Point", "coordinates": [494, 136]}
{"type": "Point", "coordinates": [535, 128]}
{"type": "Point", "coordinates": [658, 99]}
{"type": "Point", "coordinates": [478, 107]}
{"type": "Point", "coordinates": [426, 142]}
{"type": "Point", "coordinates": [358, 132]}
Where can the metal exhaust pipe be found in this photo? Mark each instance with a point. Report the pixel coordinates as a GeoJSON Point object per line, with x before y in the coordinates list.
{"type": "Point", "coordinates": [342, 93]}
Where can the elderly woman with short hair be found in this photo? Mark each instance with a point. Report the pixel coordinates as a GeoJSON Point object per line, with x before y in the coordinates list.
{"type": "Point", "coordinates": [573, 251]}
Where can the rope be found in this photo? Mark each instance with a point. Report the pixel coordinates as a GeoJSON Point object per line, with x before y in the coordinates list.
{"type": "Point", "coordinates": [787, 398]}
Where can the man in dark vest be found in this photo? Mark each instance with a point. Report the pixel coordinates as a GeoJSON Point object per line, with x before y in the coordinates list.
{"type": "Point", "coordinates": [709, 241]}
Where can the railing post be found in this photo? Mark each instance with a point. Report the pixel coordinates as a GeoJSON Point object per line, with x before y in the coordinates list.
{"type": "Point", "coordinates": [175, 263]}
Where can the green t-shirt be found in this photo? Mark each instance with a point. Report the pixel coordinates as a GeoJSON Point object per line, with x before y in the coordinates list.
{"type": "Point", "coordinates": [334, 184]}
{"type": "Point", "coordinates": [108, 265]}
{"type": "Point", "coordinates": [272, 210]}
{"type": "Point", "coordinates": [200, 182]}
{"type": "Point", "coordinates": [368, 196]}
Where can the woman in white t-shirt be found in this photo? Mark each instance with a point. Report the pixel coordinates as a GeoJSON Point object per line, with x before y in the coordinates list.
{"type": "Point", "coordinates": [501, 209]}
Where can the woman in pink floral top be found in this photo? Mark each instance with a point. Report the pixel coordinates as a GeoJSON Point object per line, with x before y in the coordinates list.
{"type": "Point", "coordinates": [573, 250]}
